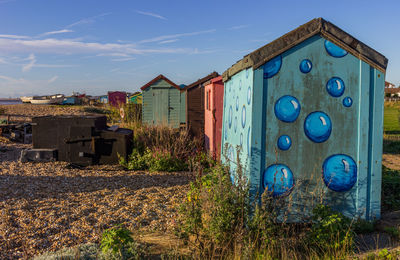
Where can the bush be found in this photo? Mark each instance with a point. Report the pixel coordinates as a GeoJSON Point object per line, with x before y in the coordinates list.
{"type": "Point", "coordinates": [331, 231]}
{"type": "Point", "coordinates": [117, 243]}
{"type": "Point", "coordinates": [223, 220]}
{"type": "Point", "coordinates": [215, 213]}
{"type": "Point", "coordinates": [161, 148]}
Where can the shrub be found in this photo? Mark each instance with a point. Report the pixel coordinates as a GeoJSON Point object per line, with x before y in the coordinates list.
{"type": "Point", "coordinates": [331, 231]}
{"type": "Point", "coordinates": [117, 243]}
{"type": "Point", "coordinates": [224, 220]}
{"type": "Point", "coordinates": [215, 213]}
{"type": "Point", "coordinates": [161, 148]}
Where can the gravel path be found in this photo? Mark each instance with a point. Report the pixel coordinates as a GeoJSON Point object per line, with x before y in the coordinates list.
{"type": "Point", "coordinates": [23, 112]}
{"type": "Point", "coordinates": [48, 206]}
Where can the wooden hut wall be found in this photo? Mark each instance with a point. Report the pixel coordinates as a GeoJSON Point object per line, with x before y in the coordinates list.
{"type": "Point", "coordinates": [195, 110]}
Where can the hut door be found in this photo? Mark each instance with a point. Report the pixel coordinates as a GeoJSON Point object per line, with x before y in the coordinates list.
{"type": "Point", "coordinates": [160, 106]}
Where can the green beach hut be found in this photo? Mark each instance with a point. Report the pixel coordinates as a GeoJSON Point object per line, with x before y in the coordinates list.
{"type": "Point", "coordinates": [164, 103]}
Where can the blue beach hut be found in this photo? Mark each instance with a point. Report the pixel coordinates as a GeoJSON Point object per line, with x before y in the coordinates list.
{"type": "Point", "coordinates": [306, 112]}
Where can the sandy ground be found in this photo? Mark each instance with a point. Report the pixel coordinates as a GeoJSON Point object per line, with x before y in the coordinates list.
{"type": "Point", "coordinates": [48, 206]}
{"type": "Point", "coordinates": [23, 112]}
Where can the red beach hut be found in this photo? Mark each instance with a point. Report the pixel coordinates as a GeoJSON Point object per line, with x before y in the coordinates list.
{"type": "Point", "coordinates": [116, 98]}
{"type": "Point", "coordinates": [213, 111]}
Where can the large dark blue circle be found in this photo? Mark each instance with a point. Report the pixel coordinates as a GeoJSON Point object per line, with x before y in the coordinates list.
{"type": "Point", "coordinates": [335, 87]}
{"type": "Point", "coordinates": [318, 127]}
{"type": "Point", "coordinates": [334, 50]}
{"type": "Point", "coordinates": [278, 179]}
{"type": "Point", "coordinates": [287, 109]}
{"type": "Point", "coordinates": [284, 142]}
{"type": "Point", "coordinates": [347, 101]}
{"type": "Point", "coordinates": [305, 66]}
{"type": "Point", "coordinates": [339, 172]}
{"type": "Point", "coordinates": [272, 67]}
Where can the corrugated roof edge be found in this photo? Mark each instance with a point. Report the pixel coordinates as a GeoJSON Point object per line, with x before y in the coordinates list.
{"type": "Point", "coordinates": [316, 26]}
{"type": "Point", "coordinates": [151, 82]}
{"type": "Point", "coordinates": [202, 80]}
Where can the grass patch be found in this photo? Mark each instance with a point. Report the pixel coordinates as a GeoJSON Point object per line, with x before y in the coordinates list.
{"type": "Point", "coordinates": [391, 123]}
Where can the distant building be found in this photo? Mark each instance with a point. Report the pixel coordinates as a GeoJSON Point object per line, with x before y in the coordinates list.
{"type": "Point", "coordinates": [391, 91]}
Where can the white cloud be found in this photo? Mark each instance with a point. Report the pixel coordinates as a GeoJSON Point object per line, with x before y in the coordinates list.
{"type": "Point", "coordinates": [56, 32]}
{"type": "Point", "coordinates": [238, 27]}
{"type": "Point", "coordinates": [168, 41]}
{"type": "Point", "coordinates": [123, 59]}
{"type": "Point", "coordinates": [12, 36]}
{"type": "Point", "coordinates": [115, 54]}
{"type": "Point", "coordinates": [29, 66]}
{"type": "Point", "coordinates": [87, 20]}
{"type": "Point", "coordinates": [68, 46]}
{"type": "Point", "coordinates": [152, 15]}
{"type": "Point", "coordinates": [174, 36]}
{"type": "Point", "coordinates": [52, 79]}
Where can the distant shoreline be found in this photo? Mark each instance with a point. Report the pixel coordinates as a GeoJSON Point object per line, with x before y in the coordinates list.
{"type": "Point", "coordinates": [10, 99]}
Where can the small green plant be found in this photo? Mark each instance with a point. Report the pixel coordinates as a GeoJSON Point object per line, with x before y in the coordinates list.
{"type": "Point", "coordinates": [136, 161]}
{"type": "Point", "coordinates": [117, 242]}
{"type": "Point", "coordinates": [153, 161]}
{"type": "Point", "coordinates": [330, 231]}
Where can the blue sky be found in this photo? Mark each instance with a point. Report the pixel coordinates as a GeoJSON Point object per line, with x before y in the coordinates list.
{"type": "Point", "coordinates": [92, 46]}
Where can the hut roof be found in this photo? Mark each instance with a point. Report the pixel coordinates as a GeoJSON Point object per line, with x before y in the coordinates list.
{"type": "Point", "coordinates": [202, 80]}
{"type": "Point", "coordinates": [159, 77]}
{"type": "Point", "coordinates": [316, 26]}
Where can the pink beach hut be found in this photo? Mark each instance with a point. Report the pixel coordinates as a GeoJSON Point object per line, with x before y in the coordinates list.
{"type": "Point", "coordinates": [213, 111]}
{"type": "Point", "coordinates": [116, 98]}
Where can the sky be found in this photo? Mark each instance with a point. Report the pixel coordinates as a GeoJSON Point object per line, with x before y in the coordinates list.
{"type": "Point", "coordinates": [95, 46]}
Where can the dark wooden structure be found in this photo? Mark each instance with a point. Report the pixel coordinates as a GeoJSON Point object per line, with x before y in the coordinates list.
{"type": "Point", "coordinates": [81, 140]}
{"type": "Point", "coordinates": [195, 105]}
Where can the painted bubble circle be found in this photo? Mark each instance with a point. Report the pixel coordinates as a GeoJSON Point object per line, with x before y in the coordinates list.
{"type": "Point", "coordinates": [284, 142]}
{"type": "Point", "coordinates": [248, 143]}
{"type": "Point", "coordinates": [305, 66]}
{"type": "Point", "coordinates": [235, 124]}
{"type": "Point", "coordinates": [241, 139]}
{"type": "Point", "coordinates": [278, 179]}
{"type": "Point", "coordinates": [287, 109]}
{"type": "Point", "coordinates": [240, 85]}
{"type": "Point", "coordinates": [231, 154]}
{"type": "Point", "coordinates": [230, 116]}
{"type": "Point", "coordinates": [272, 67]}
{"type": "Point", "coordinates": [339, 172]}
{"type": "Point", "coordinates": [231, 157]}
{"type": "Point", "coordinates": [335, 87]}
{"type": "Point", "coordinates": [248, 96]}
{"type": "Point", "coordinates": [318, 127]}
{"type": "Point", "coordinates": [243, 116]}
{"type": "Point", "coordinates": [226, 133]}
{"type": "Point", "coordinates": [247, 73]}
{"type": "Point", "coordinates": [334, 50]}
{"type": "Point", "coordinates": [237, 103]}
{"type": "Point", "coordinates": [347, 101]}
